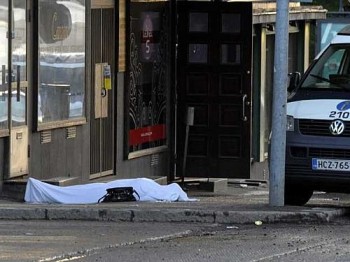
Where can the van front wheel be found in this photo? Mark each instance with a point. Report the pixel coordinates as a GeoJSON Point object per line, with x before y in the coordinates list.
{"type": "Point", "coordinates": [296, 196]}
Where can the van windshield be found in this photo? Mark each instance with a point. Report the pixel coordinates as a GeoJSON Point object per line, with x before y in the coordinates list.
{"type": "Point", "coordinates": [331, 70]}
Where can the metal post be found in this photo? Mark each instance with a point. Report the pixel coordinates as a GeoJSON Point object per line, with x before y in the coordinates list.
{"type": "Point", "coordinates": [185, 156]}
{"type": "Point", "coordinates": [263, 87]}
{"type": "Point", "coordinates": [279, 103]}
{"type": "Point", "coordinates": [189, 122]}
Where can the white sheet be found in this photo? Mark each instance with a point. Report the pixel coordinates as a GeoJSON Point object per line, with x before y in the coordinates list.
{"type": "Point", "coordinates": [149, 190]}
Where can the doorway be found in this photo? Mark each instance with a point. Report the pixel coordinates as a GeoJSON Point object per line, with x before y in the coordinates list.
{"type": "Point", "coordinates": [102, 136]}
{"type": "Point", "coordinates": [14, 85]}
{"type": "Point", "coordinates": [214, 77]}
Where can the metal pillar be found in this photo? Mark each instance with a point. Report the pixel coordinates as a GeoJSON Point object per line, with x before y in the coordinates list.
{"type": "Point", "coordinates": [279, 103]}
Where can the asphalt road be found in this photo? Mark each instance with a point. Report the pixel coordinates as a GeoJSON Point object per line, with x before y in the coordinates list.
{"type": "Point", "coordinates": [111, 241]}
{"type": "Point", "coordinates": [58, 240]}
{"type": "Point", "coordinates": [244, 243]}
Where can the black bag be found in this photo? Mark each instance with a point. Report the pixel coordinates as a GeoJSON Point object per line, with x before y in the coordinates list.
{"type": "Point", "coordinates": [119, 194]}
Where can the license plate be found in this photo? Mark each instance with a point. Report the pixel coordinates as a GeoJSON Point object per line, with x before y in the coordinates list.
{"type": "Point", "coordinates": [330, 164]}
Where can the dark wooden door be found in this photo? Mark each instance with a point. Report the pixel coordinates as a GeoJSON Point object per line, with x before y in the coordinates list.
{"type": "Point", "coordinates": [214, 77]}
{"type": "Point", "coordinates": [102, 135]}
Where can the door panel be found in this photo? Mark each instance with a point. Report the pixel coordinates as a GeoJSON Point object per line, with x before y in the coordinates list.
{"type": "Point", "coordinates": [19, 152]}
{"type": "Point", "coordinates": [14, 85]}
{"type": "Point", "coordinates": [101, 121]}
{"type": "Point", "coordinates": [101, 94]}
{"type": "Point", "coordinates": [4, 52]}
{"type": "Point", "coordinates": [214, 61]}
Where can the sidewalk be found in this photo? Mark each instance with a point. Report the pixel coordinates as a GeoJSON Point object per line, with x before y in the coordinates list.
{"type": "Point", "coordinates": [239, 204]}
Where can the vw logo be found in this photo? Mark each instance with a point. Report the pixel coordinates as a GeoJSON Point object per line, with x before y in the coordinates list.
{"type": "Point", "coordinates": [337, 127]}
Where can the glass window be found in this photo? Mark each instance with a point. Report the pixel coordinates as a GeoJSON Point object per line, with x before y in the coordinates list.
{"type": "Point", "coordinates": [61, 60]}
{"type": "Point", "coordinates": [3, 65]}
{"type": "Point", "coordinates": [198, 53]}
{"type": "Point", "coordinates": [198, 22]}
{"type": "Point", "coordinates": [328, 29]}
{"type": "Point", "coordinates": [148, 76]}
{"type": "Point", "coordinates": [231, 23]}
{"type": "Point", "coordinates": [19, 64]}
{"type": "Point", "coordinates": [332, 70]}
{"type": "Point", "coordinates": [230, 54]}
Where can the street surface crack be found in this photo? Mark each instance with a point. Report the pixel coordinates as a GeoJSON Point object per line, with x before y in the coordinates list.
{"type": "Point", "coordinates": [307, 248]}
{"type": "Point", "coordinates": [96, 250]}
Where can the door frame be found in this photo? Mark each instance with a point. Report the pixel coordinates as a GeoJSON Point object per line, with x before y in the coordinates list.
{"type": "Point", "coordinates": [18, 146]}
{"type": "Point", "coordinates": [246, 79]}
{"type": "Point", "coordinates": [103, 106]}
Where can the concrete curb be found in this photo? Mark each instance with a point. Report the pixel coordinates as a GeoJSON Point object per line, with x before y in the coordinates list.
{"type": "Point", "coordinates": [86, 213]}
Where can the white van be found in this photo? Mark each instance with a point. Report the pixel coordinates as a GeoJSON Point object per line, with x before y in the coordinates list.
{"type": "Point", "coordinates": [318, 125]}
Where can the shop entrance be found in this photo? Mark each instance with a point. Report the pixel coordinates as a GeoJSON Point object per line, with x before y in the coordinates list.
{"type": "Point", "coordinates": [214, 77]}
{"type": "Point", "coordinates": [102, 135]}
{"type": "Point", "coordinates": [13, 86]}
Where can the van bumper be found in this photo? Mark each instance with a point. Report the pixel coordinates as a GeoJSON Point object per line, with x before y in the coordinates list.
{"type": "Point", "coordinates": [301, 149]}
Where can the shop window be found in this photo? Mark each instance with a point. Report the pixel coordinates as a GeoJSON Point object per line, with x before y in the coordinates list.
{"type": "Point", "coordinates": [19, 65]}
{"type": "Point", "coordinates": [148, 77]}
{"type": "Point", "coordinates": [3, 66]}
{"type": "Point", "coordinates": [13, 77]}
{"type": "Point", "coordinates": [61, 65]}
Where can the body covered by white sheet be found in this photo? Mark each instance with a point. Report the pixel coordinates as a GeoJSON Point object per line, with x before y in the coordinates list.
{"type": "Point", "coordinates": [148, 190]}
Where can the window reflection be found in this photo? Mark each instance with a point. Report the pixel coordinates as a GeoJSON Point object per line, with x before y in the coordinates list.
{"type": "Point", "coordinates": [62, 60]}
{"type": "Point", "coordinates": [3, 64]}
{"type": "Point", "coordinates": [19, 64]}
{"type": "Point", "coordinates": [149, 75]}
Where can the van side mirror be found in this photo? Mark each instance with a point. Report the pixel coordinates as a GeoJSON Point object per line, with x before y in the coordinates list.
{"type": "Point", "coordinates": [294, 80]}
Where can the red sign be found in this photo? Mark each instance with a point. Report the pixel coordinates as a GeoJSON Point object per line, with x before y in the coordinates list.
{"type": "Point", "coordinates": [146, 134]}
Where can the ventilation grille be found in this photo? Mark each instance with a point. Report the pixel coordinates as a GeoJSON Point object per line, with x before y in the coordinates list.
{"type": "Point", "coordinates": [71, 132]}
{"type": "Point", "coordinates": [320, 128]}
{"type": "Point", "coordinates": [329, 153]}
{"type": "Point", "coordinates": [45, 137]}
{"type": "Point", "coordinates": [155, 160]}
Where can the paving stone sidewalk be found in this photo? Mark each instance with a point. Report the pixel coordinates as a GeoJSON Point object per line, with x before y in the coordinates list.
{"type": "Point", "coordinates": [239, 204]}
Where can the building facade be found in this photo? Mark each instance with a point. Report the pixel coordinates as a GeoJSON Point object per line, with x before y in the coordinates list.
{"type": "Point", "coordinates": [94, 89]}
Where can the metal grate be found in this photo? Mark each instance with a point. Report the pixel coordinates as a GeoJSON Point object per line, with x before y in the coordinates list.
{"type": "Point", "coordinates": [329, 153]}
{"type": "Point", "coordinates": [320, 128]}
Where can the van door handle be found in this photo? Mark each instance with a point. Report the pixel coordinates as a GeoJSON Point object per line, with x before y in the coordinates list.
{"type": "Point", "coordinates": [244, 98]}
